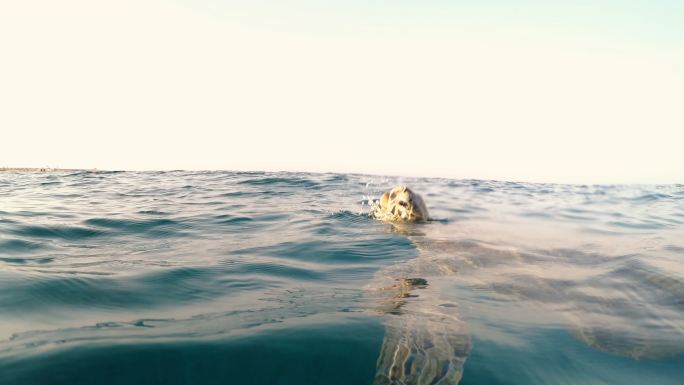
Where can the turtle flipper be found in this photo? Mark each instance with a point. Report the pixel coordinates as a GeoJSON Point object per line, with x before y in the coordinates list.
{"type": "Point", "coordinates": [425, 341]}
{"type": "Point", "coordinates": [422, 352]}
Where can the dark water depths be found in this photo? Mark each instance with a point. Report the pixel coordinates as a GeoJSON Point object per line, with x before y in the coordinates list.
{"type": "Point", "coordinates": [264, 278]}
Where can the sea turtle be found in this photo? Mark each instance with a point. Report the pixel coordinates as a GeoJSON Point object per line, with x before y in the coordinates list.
{"type": "Point", "coordinates": [425, 340]}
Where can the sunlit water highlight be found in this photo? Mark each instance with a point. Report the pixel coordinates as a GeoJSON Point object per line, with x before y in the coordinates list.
{"type": "Point", "coordinates": [270, 278]}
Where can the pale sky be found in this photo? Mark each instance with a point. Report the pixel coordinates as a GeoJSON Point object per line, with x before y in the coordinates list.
{"type": "Point", "coordinates": [578, 91]}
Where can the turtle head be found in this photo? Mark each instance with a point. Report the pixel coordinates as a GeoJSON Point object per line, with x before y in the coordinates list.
{"type": "Point", "coordinates": [402, 204]}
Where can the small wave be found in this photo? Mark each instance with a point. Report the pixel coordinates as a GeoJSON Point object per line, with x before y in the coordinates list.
{"type": "Point", "coordinates": [638, 225]}
{"type": "Point", "coordinates": [244, 194]}
{"type": "Point", "coordinates": [58, 232]}
{"type": "Point", "coordinates": [24, 261]}
{"type": "Point", "coordinates": [12, 246]}
{"type": "Point", "coordinates": [160, 227]}
{"type": "Point", "coordinates": [273, 305]}
{"type": "Point", "coordinates": [227, 219]}
{"type": "Point", "coordinates": [50, 183]}
{"type": "Point", "coordinates": [153, 212]}
{"type": "Point", "coordinates": [651, 197]}
{"type": "Point", "coordinates": [337, 178]}
{"type": "Point", "coordinates": [294, 182]}
{"type": "Point", "coordinates": [675, 249]}
{"type": "Point", "coordinates": [576, 217]}
{"type": "Point", "coordinates": [537, 214]}
{"type": "Point", "coordinates": [337, 252]}
{"type": "Point", "coordinates": [280, 270]}
{"type": "Point", "coordinates": [93, 290]}
{"type": "Point", "coordinates": [347, 215]}
{"type": "Point", "coordinates": [662, 287]}
{"type": "Point", "coordinates": [130, 224]}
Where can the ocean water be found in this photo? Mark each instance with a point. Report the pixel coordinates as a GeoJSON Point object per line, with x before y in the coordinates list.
{"type": "Point", "coordinates": [282, 278]}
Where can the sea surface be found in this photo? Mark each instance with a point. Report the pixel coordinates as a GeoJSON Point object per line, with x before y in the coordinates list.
{"type": "Point", "coordinates": [270, 278]}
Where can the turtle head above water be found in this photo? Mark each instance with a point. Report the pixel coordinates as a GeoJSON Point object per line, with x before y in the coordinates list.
{"type": "Point", "coordinates": [400, 204]}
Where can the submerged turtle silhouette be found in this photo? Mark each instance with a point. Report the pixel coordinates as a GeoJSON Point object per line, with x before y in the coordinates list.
{"type": "Point", "coordinates": [425, 340]}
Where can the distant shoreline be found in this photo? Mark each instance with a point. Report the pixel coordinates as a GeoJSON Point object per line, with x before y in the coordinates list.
{"type": "Point", "coordinates": [40, 170]}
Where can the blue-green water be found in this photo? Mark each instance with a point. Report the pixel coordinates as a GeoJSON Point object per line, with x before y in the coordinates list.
{"type": "Point", "coordinates": [264, 278]}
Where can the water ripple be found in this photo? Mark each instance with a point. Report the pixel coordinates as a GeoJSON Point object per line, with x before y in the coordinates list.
{"type": "Point", "coordinates": [57, 232]}
{"type": "Point", "coordinates": [555, 284]}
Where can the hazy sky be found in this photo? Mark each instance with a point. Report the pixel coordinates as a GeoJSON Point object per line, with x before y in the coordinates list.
{"type": "Point", "coordinates": [568, 91]}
